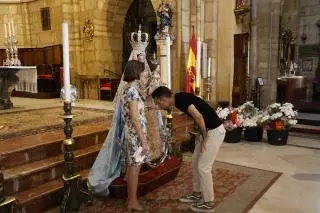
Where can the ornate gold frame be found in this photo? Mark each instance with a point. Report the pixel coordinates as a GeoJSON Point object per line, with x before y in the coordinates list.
{"type": "Point", "coordinates": [88, 30]}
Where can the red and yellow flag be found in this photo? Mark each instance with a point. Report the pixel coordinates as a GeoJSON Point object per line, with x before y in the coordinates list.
{"type": "Point", "coordinates": [191, 66]}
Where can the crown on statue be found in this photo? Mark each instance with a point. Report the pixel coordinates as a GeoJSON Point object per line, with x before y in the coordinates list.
{"type": "Point", "coordinates": [139, 40]}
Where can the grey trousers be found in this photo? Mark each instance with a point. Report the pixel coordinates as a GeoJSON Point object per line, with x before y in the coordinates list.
{"type": "Point", "coordinates": [202, 163]}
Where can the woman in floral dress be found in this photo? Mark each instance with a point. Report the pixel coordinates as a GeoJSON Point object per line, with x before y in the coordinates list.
{"type": "Point", "coordinates": [135, 130]}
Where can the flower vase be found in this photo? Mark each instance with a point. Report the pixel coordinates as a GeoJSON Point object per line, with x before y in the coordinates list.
{"type": "Point", "coordinates": [278, 137]}
{"type": "Point", "coordinates": [233, 136]}
{"type": "Point", "coordinates": [277, 125]}
{"type": "Point", "coordinates": [253, 133]}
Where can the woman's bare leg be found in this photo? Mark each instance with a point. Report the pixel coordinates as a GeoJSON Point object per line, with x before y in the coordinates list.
{"type": "Point", "coordinates": [132, 183]}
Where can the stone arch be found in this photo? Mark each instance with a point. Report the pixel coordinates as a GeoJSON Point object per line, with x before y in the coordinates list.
{"type": "Point", "coordinates": [140, 12]}
{"type": "Point", "coordinates": [116, 12]}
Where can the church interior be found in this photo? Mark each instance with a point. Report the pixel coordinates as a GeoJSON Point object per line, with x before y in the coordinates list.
{"type": "Point", "coordinates": [256, 62]}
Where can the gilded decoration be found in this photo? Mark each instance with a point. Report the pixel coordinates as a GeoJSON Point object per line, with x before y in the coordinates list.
{"type": "Point", "coordinates": [88, 30]}
{"type": "Point", "coordinates": [242, 8]}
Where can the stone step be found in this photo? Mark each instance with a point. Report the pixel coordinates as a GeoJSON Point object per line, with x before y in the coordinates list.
{"type": "Point", "coordinates": [309, 129]}
{"type": "Point", "coordinates": [36, 180]}
{"type": "Point", "coordinates": [30, 175]}
{"type": "Point", "coordinates": [44, 196]}
{"type": "Point", "coordinates": [49, 195]}
{"type": "Point", "coordinates": [18, 151]}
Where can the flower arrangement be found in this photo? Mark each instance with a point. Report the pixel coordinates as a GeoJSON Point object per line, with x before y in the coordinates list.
{"type": "Point", "coordinates": [250, 114]}
{"type": "Point", "coordinates": [279, 116]}
{"type": "Point", "coordinates": [230, 117]}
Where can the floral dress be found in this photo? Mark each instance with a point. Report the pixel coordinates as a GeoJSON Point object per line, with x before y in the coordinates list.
{"type": "Point", "coordinates": [132, 140]}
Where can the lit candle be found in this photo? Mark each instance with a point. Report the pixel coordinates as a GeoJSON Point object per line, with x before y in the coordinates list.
{"type": "Point", "coordinates": [5, 31]}
{"type": "Point", "coordinates": [198, 73]}
{"type": "Point", "coordinates": [12, 28]}
{"type": "Point", "coordinates": [168, 44]}
{"type": "Point", "coordinates": [9, 30]}
{"type": "Point", "coordinates": [66, 66]}
{"type": "Point", "coordinates": [209, 67]}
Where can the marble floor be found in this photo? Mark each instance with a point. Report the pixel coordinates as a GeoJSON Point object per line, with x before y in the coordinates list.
{"type": "Point", "coordinates": [296, 191]}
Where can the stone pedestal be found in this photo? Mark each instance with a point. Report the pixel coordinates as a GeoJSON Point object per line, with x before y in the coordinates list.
{"type": "Point", "coordinates": [165, 73]}
{"type": "Point", "coordinates": [8, 80]}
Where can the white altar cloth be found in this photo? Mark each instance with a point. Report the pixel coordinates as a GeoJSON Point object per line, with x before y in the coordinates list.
{"type": "Point", "coordinates": [27, 79]}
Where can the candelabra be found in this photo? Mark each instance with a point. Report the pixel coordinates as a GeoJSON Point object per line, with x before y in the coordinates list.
{"type": "Point", "coordinates": [11, 52]}
{"type": "Point", "coordinates": [74, 193]}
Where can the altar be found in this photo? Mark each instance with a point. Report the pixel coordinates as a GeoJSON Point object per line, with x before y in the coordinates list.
{"type": "Point", "coordinates": [20, 78]}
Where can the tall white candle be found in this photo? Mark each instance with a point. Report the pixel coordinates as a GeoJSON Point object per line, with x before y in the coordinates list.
{"type": "Point", "coordinates": [5, 31]}
{"type": "Point", "coordinates": [9, 30]}
{"type": "Point", "coordinates": [198, 72]}
{"type": "Point", "coordinates": [204, 56]}
{"type": "Point", "coordinates": [209, 67]}
{"type": "Point", "coordinates": [168, 44]}
{"type": "Point", "coordinates": [12, 28]}
{"type": "Point", "coordinates": [66, 66]}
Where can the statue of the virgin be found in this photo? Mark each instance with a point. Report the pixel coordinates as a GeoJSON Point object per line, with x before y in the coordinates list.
{"type": "Point", "coordinates": [110, 162]}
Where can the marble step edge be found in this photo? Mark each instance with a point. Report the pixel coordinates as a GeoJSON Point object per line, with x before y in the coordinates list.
{"type": "Point", "coordinates": [37, 166]}
{"type": "Point", "coordinates": [16, 159]}
{"type": "Point", "coordinates": [23, 143]}
{"type": "Point", "coordinates": [303, 128]}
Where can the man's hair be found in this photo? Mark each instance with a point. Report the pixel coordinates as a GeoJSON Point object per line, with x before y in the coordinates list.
{"type": "Point", "coordinates": [133, 70]}
{"type": "Point", "coordinates": [162, 91]}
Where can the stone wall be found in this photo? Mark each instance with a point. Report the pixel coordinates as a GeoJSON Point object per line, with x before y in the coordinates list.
{"type": "Point", "coordinates": [20, 16]}
{"type": "Point", "coordinates": [38, 37]}
{"type": "Point", "coordinates": [215, 27]}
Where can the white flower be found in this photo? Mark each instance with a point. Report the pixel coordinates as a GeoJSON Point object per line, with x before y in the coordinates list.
{"type": "Point", "coordinates": [276, 116]}
{"type": "Point", "coordinates": [275, 105]}
{"type": "Point", "coordinates": [265, 118]}
{"type": "Point", "coordinates": [250, 122]}
{"type": "Point", "coordinates": [223, 113]}
{"type": "Point", "coordinates": [292, 122]}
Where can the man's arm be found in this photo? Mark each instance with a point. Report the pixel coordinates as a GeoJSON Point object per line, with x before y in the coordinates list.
{"type": "Point", "coordinates": [196, 115]}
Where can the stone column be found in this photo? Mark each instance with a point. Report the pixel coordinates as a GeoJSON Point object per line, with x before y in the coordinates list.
{"type": "Point", "coordinates": [225, 47]}
{"type": "Point", "coordinates": [264, 47]}
{"type": "Point", "coordinates": [210, 37]}
{"type": "Point", "coordinates": [185, 39]}
{"type": "Point", "coordinates": [198, 18]}
{"type": "Point", "coordinates": [164, 72]}
{"type": "Point", "coordinates": [177, 81]}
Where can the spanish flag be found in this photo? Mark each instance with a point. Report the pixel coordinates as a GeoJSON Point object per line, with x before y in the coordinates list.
{"type": "Point", "coordinates": [191, 66]}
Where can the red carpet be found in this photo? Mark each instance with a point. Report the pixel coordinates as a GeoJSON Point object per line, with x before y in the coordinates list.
{"type": "Point", "coordinates": [237, 188]}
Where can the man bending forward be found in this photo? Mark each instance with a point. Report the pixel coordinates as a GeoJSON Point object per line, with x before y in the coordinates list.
{"type": "Point", "coordinates": [205, 151]}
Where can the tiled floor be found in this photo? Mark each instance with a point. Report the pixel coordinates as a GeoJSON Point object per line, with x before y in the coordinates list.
{"type": "Point", "coordinates": [296, 191]}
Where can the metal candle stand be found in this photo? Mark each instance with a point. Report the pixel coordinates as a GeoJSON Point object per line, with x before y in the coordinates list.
{"type": "Point", "coordinates": [11, 52]}
{"type": "Point", "coordinates": [169, 119]}
{"type": "Point", "coordinates": [7, 204]}
{"type": "Point", "coordinates": [74, 194]}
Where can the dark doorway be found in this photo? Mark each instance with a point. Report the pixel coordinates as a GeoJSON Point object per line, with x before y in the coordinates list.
{"type": "Point", "coordinates": [239, 92]}
{"type": "Point", "coordinates": [140, 12]}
